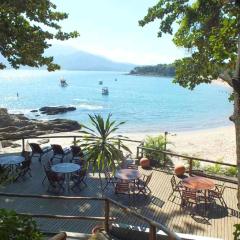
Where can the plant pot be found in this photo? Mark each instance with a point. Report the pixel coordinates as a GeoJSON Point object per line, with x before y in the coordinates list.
{"type": "Point", "coordinates": [145, 163]}
{"type": "Point", "coordinates": [96, 229]}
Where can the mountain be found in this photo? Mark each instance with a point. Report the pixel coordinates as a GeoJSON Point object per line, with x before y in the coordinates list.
{"type": "Point", "coordinates": [72, 59]}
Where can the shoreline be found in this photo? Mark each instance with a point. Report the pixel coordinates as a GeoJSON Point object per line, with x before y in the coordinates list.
{"type": "Point", "coordinates": [216, 144]}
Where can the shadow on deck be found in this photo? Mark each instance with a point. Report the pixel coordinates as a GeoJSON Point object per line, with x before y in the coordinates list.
{"type": "Point", "coordinates": [217, 223]}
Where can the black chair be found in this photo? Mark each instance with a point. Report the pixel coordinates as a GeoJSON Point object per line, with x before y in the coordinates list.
{"type": "Point", "coordinates": [123, 188]}
{"type": "Point", "coordinates": [58, 152]}
{"type": "Point", "coordinates": [77, 155]}
{"type": "Point", "coordinates": [217, 193]}
{"type": "Point", "coordinates": [37, 151]}
{"type": "Point", "coordinates": [78, 178]}
{"type": "Point", "coordinates": [176, 187]}
{"type": "Point", "coordinates": [55, 181]}
{"type": "Point", "coordinates": [25, 167]}
{"type": "Point", "coordinates": [109, 178]}
{"type": "Point", "coordinates": [142, 185]}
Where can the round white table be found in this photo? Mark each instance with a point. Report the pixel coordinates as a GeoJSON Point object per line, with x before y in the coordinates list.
{"type": "Point", "coordinates": [11, 160]}
{"type": "Point", "coordinates": [66, 168]}
{"type": "Point", "coordinates": [128, 174]}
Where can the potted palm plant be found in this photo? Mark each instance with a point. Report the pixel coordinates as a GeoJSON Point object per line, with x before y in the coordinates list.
{"type": "Point", "coordinates": [103, 149]}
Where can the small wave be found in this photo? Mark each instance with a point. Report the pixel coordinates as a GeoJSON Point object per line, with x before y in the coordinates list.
{"type": "Point", "coordinates": [80, 100]}
{"type": "Point", "coordinates": [20, 111]}
{"type": "Point", "coordinates": [89, 106]}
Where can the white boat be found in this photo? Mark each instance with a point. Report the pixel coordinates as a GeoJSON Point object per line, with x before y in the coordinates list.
{"type": "Point", "coordinates": [63, 82]}
{"type": "Point", "coordinates": [105, 91]}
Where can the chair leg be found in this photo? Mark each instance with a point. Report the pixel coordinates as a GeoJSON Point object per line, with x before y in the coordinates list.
{"type": "Point", "coordinates": [44, 179]}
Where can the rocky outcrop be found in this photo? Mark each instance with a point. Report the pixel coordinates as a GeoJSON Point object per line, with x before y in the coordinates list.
{"type": "Point", "coordinates": [18, 126]}
{"type": "Point", "coordinates": [56, 110]}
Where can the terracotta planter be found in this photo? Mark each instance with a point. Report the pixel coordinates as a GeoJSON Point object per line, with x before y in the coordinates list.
{"type": "Point", "coordinates": [97, 228]}
{"type": "Point", "coordinates": [144, 162]}
{"type": "Point", "coordinates": [179, 170]}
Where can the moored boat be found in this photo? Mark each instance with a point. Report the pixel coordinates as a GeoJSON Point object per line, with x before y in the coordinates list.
{"type": "Point", "coordinates": [105, 91]}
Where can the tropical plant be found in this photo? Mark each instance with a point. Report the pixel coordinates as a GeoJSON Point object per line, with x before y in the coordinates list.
{"type": "Point", "coordinates": [210, 31]}
{"type": "Point", "coordinates": [13, 226]}
{"type": "Point", "coordinates": [214, 169]}
{"type": "Point", "coordinates": [236, 232]}
{"type": "Point", "coordinates": [157, 143]}
{"type": "Point", "coordinates": [231, 171]}
{"type": "Point", "coordinates": [103, 149]}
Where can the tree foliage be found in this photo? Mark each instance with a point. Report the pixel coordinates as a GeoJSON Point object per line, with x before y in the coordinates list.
{"type": "Point", "coordinates": [207, 29]}
{"type": "Point", "coordinates": [25, 28]}
{"type": "Point", "coordinates": [18, 227]}
{"type": "Point", "coordinates": [157, 70]}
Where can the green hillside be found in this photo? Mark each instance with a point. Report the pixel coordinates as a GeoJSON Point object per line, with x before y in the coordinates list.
{"type": "Point", "coordinates": [156, 70]}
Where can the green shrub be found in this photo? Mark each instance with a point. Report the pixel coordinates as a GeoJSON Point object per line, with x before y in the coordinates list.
{"type": "Point", "coordinates": [157, 143]}
{"type": "Point", "coordinates": [214, 169]}
{"type": "Point", "coordinates": [231, 171]}
{"type": "Point", "coordinates": [236, 232]}
{"type": "Point", "coordinates": [196, 164]}
{"type": "Point", "coordinates": [15, 227]}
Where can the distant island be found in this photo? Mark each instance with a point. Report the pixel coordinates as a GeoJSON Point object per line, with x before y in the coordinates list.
{"type": "Point", "coordinates": [156, 70]}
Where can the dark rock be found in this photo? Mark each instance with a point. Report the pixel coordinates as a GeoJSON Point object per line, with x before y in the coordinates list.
{"type": "Point", "coordinates": [34, 110]}
{"type": "Point", "coordinates": [18, 126]}
{"type": "Point", "coordinates": [56, 110]}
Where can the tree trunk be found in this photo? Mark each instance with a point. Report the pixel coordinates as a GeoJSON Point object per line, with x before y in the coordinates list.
{"type": "Point", "coordinates": [237, 118]}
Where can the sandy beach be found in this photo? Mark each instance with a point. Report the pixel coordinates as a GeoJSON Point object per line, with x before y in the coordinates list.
{"type": "Point", "coordinates": [217, 144]}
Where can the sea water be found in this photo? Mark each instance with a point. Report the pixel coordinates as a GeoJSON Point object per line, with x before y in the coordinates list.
{"type": "Point", "coordinates": [146, 104]}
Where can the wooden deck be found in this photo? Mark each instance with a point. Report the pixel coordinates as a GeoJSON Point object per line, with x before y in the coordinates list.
{"type": "Point", "coordinates": [218, 223]}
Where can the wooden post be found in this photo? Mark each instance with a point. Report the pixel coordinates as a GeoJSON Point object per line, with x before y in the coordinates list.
{"type": "Point", "coordinates": [119, 144]}
{"type": "Point", "coordinates": [106, 222]}
{"type": "Point", "coordinates": [137, 153]}
{"type": "Point", "coordinates": [23, 144]}
{"type": "Point", "coordinates": [152, 232]}
{"type": "Point", "coordinates": [190, 166]}
{"type": "Point", "coordinates": [74, 141]}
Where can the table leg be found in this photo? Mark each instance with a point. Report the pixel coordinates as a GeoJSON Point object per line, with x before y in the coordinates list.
{"type": "Point", "coordinates": [68, 182]}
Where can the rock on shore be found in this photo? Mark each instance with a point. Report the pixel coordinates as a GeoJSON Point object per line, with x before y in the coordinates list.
{"type": "Point", "coordinates": [17, 125]}
{"type": "Point", "coordinates": [56, 110]}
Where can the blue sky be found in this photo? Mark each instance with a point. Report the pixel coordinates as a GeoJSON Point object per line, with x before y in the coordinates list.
{"type": "Point", "coordinates": [110, 28]}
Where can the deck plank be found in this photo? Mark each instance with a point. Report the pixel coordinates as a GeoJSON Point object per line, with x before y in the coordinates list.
{"type": "Point", "coordinates": [156, 207]}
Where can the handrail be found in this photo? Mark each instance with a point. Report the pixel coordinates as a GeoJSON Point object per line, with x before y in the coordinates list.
{"type": "Point", "coordinates": [153, 225]}
{"type": "Point", "coordinates": [187, 157]}
{"type": "Point", "coordinates": [60, 136]}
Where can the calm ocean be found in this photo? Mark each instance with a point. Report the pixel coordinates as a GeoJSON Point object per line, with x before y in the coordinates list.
{"type": "Point", "coordinates": [147, 104]}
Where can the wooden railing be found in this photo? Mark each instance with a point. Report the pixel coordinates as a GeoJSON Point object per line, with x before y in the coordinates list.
{"type": "Point", "coordinates": [153, 226]}
{"type": "Point", "coordinates": [190, 159]}
{"type": "Point", "coordinates": [74, 137]}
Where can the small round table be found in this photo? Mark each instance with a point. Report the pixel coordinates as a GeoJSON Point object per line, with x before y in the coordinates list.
{"type": "Point", "coordinates": [128, 174]}
{"type": "Point", "coordinates": [66, 168]}
{"type": "Point", "coordinates": [198, 183]}
{"type": "Point", "coordinates": [11, 160]}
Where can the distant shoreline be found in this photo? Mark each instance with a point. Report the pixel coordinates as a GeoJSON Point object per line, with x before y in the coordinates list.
{"type": "Point", "coordinates": [149, 75]}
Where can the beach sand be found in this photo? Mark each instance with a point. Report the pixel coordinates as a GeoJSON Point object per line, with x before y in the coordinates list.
{"type": "Point", "coordinates": [212, 144]}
